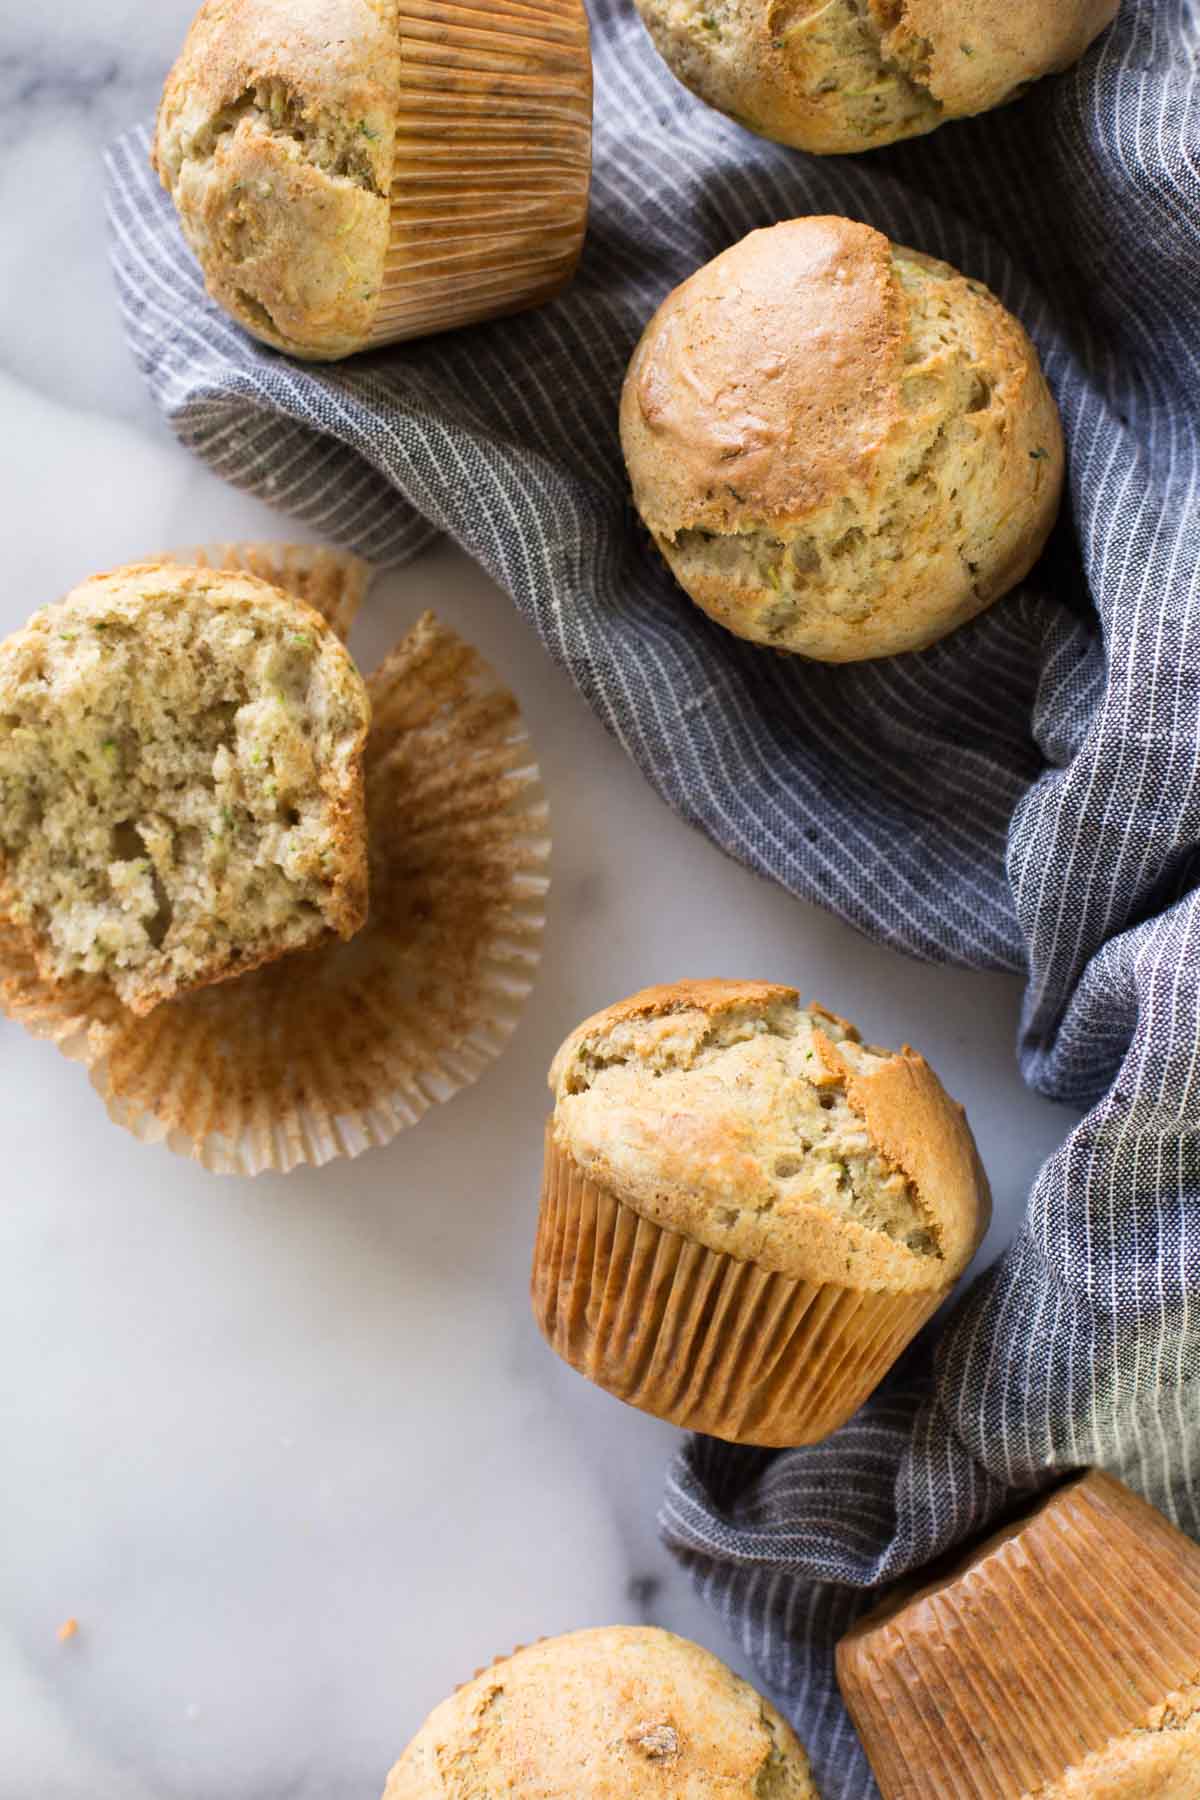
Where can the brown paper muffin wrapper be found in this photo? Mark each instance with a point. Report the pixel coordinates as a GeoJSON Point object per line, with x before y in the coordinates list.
{"type": "Point", "coordinates": [695, 1336]}
{"type": "Point", "coordinates": [493, 161]}
{"type": "Point", "coordinates": [337, 1049]}
{"type": "Point", "coordinates": [1057, 1639]}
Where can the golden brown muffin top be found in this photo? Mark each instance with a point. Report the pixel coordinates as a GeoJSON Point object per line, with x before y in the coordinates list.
{"type": "Point", "coordinates": [730, 1112]}
{"type": "Point", "coordinates": [841, 447]}
{"type": "Point", "coordinates": [623, 1713]}
{"type": "Point", "coordinates": [974, 54]}
{"type": "Point", "coordinates": [836, 76]}
{"type": "Point", "coordinates": [276, 137]}
{"type": "Point", "coordinates": [767, 380]}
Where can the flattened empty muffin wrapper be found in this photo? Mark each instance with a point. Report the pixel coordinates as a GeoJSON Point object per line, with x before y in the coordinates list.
{"type": "Point", "coordinates": [336, 1050]}
{"type": "Point", "coordinates": [489, 194]}
{"type": "Point", "coordinates": [1071, 1635]}
{"type": "Point", "coordinates": [695, 1336]}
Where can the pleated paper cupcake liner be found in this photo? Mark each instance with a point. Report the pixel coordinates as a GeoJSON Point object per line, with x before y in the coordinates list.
{"type": "Point", "coordinates": [696, 1337]}
{"type": "Point", "coordinates": [335, 1050]}
{"type": "Point", "coordinates": [333, 582]}
{"type": "Point", "coordinates": [1062, 1636]}
{"type": "Point", "coordinates": [493, 162]}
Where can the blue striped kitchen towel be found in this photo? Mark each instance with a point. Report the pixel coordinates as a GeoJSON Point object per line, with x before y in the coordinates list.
{"type": "Point", "coordinates": [1024, 795]}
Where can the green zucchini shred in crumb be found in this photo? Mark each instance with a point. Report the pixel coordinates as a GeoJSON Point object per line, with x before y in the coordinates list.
{"type": "Point", "coordinates": [1039, 455]}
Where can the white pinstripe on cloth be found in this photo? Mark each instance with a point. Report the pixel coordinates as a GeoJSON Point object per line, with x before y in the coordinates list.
{"type": "Point", "coordinates": [1025, 795]}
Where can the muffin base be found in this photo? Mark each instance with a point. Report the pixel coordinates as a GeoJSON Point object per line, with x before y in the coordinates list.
{"type": "Point", "coordinates": [1065, 1634]}
{"type": "Point", "coordinates": [489, 196]}
{"type": "Point", "coordinates": [695, 1336]}
{"type": "Point", "coordinates": [336, 1050]}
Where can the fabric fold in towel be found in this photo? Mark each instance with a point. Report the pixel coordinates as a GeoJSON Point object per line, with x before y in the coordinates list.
{"type": "Point", "coordinates": [1025, 795]}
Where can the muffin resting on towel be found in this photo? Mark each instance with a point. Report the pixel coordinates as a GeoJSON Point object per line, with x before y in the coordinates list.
{"type": "Point", "coordinates": [845, 75]}
{"type": "Point", "coordinates": [624, 1713]}
{"type": "Point", "coordinates": [353, 172]}
{"type": "Point", "coordinates": [841, 447]}
{"type": "Point", "coordinates": [1060, 1660]}
{"type": "Point", "coordinates": [181, 781]}
{"type": "Point", "coordinates": [746, 1212]}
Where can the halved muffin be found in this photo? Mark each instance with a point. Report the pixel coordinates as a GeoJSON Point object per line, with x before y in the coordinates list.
{"type": "Point", "coordinates": [181, 781]}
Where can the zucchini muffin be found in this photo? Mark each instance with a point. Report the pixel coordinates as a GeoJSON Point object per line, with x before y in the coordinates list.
{"type": "Point", "coordinates": [747, 1213]}
{"type": "Point", "coordinates": [624, 1713]}
{"type": "Point", "coordinates": [181, 781]}
{"type": "Point", "coordinates": [1058, 1661]}
{"type": "Point", "coordinates": [847, 75]}
{"type": "Point", "coordinates": [334, 1051]}
{"type": "Point", "coordinates": [353, 172]}
{"type": "Point", "coordinates": [841, 447]}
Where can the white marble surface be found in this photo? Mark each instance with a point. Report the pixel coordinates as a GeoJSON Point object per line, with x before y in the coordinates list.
{"type": "Point", "coordinates": [292, 1452]}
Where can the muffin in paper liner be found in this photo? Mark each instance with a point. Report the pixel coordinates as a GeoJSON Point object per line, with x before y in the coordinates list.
{"type": "Point", "coordinates": [492, 170]}
{"type": "Point", "coordinates": [335, 1050]}
{"type": "Point", "coordinates": [352, 175]}
{"type": "Point", "coordinates": [1060, 1659]}
{"type": "Point", "coordinates": [746, 1212]}
{"type": "Point", "coordinates": [694, 1335]}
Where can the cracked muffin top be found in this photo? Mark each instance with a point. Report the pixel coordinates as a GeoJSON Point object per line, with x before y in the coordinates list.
{"type": "Point", "coordinates": [841, 447]}
{"type": "Point", "coordinates": [846, 75]}
{"type": "Point", "coordinates": [354, 173]}
{"type": "Point", "coordinates": [275, 138]}
{"type": "Point", "coordinates": [730, 1112]}
{"type": "Point", "coordinates": [623, 1713]}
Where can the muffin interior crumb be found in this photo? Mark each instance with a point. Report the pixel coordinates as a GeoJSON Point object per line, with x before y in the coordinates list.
{"type": "Point", "coordinates": [169, 783]}
{"type": "Point", "coordinates": [880, 77]}
{"type": "Point", "coordinates": [340, 147]}
{"type": "Point", "coordinates": [844, 57]}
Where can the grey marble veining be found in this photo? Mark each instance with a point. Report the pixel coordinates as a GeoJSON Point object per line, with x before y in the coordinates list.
{"type": "Point", "coordinates": [292, 1452]}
